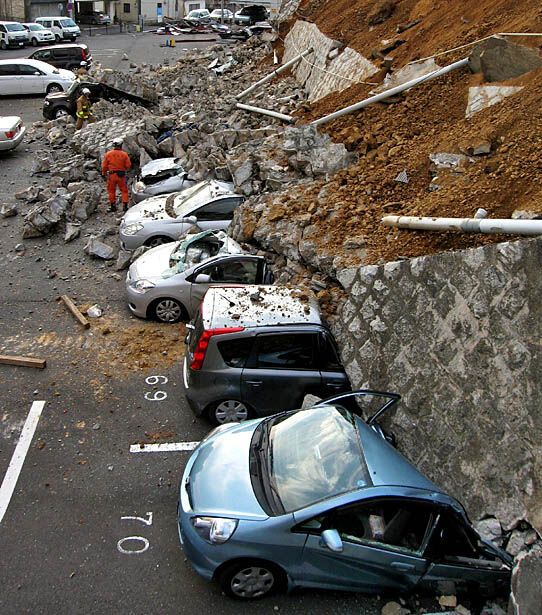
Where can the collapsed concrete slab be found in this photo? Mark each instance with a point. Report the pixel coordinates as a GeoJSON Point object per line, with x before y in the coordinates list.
{"type": "Point", "coordinates": [482, 97]}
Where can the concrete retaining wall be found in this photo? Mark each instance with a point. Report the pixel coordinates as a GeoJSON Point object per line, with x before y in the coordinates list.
{"type": "Point", "coordinates": [458, 336]}
{"type": "Point", "coordinates": [330, 68]}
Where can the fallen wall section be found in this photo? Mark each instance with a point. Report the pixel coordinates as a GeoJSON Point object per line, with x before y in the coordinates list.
{"type": "Point", "coordinates": [458, 336]}
{"type": "Point", "coordinates": [330, 68]}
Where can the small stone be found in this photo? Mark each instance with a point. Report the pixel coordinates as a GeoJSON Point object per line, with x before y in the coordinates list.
{"type": "Point", "coordinates": [19, 247]}
{"type": "Point", "coordinates": [96, 426]}
{"type": "Point", "coordinates": [72, 231]}
{"type": "Point", "coordinates": [8, 210]}
{"type": "Point", "coordinates": [393, 608]}
{"type": "Point", "coordinates": [462, 610]}
{"type": "Point", "coordinates": [448, 601]}
{"type": "Point", "coordinates": [95, 311]}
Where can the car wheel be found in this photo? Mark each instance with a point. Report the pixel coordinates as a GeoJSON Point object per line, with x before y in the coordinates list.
{"type": "Point", "coordinates": [169, 310]}
{"type": "Point", "coordinates": [53, 88]}
{"type": "Point", "coordinates": [157, 241]}
{"type": "Point", "coordinates": [3, 45]}
{"type": "Point", "coordinates": [57, 39]}
{"type": "Point", "coordinates": [61, 112]}
{"type": "Point", "coordinates": [250, 580]}
{"type": "Point", "coordinates": [34, 42]}
{"type": "Point", "coordinates": [229, 411]}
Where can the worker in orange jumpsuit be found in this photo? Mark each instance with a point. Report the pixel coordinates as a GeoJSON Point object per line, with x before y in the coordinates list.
{"type": "Point", "coordinates": [114, 166]}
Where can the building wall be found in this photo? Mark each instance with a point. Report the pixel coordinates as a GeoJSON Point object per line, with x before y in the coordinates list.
{"type": "Point", "coordinates": [12, 10]}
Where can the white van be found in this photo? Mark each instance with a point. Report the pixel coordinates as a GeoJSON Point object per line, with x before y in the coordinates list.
{"type": "Point", "coordinates": [12, 34]}
{"type": "Point", "coordinates": [64, 28]}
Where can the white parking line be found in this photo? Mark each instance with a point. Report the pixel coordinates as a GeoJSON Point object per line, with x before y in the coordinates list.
{"type": "Point", "coordinates": [166, 447]}
{"type": "Point", "coordinates": [19, 455]}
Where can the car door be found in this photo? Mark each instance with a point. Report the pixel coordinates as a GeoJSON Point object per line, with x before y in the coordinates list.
{"type": "Point", "coordinates": [9, 79]}
{"type": "Point", "coordinates": [462, 562]}
{"type": "Point", "coordinates": [31, 80]}
{"type": "Point", "coordinates": [237, 269]}
{"type": "Point", "coordinates": [382, 545]}
{"type": "Point", "coordinates": [217, 214]}
{"type": "Point", "coordinates": [281, 370]}
{"type": "Point", "coordinates": [334, 378]}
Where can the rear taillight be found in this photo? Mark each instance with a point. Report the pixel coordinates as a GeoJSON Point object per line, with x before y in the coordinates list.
{"type": "Point", "coordinates": [203, 343]}
{"type": "Point", "coordinates": [83, 54]}
{"type": "Point", "coordinates": [10, 134]}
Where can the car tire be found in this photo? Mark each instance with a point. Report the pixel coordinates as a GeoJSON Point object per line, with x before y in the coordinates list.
{"type": "Point", "coordinates": [57, 39]}
{"type": "Point", "coordinates": [168, 310]}
{"type": "Point", "coordinates": [60, 112]}
{"type": "Point", "coordinates": [34, 42]}
{"type": "Point", "coordinates": [251, 580]}
{"type": "Point", "coordinates": [53, 88]}
{"type": "Point", "coordinates": [159, 240]}
{"type": "Point", "coordinates": [229, 411]}
{"type": "Point", "coordinates": [3, 45]}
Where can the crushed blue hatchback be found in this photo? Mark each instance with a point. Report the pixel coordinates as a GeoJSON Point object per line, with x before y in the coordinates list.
{"type": "Point", "coordinates": [320, 498]}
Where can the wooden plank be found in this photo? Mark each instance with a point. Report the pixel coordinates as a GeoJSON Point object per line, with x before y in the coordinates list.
{"type": "Point", "coordinates": [73, 309]}
{"type": "Point", "coordinates": [22, 361]}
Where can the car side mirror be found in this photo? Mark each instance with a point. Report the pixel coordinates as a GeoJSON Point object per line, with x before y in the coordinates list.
{"type": "Point", "coordinates": [332, 540]}
{"type": "Point", "coordinates": [189, 219]}
{"type": "Point", "coordinates": [202, 278]}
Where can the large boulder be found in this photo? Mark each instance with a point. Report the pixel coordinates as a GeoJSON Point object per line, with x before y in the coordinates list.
{"type": "Point", "coordinates": [526, 594]}
{"type": "Point", "coordinates": [499, 59]}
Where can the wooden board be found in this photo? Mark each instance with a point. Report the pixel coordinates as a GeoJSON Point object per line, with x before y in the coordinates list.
{"type": "Point", "coordinates": [22, 361]}
{"type": "Point", "coordinates": [73, 309]}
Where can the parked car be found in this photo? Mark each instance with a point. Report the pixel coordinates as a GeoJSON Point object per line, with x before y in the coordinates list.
{"type": "Point", "coordinates": [219, 14]}
{"type": "Point", "coordinates": [13, 34]}
{"type": "Point", "coordinates": [208, 205]}
{"type": "Point", "coordinates": [64, 28]}
{"type": "Point", "coordinates": [25, 76]}
{"type": "Point", "coordinates": [168, 282]}
{"type": "Point", "coordinates": [270, 347]}
{"type": "Point", "coordinates": [249, 15]}
{"type": "Point", "coordinates": [38, 35]}
{"type": "Point", "coordinates": [318, 498]}
{"type": "Point", "coordinates": [160, 176]}
{"type": "Point", "coordinates": [198, 15]}
{"type": "Point", "coordinates": [68, 56]}
{"type": "Point", "coordinates": [65, 103]}
{"type": "Point", "coordinates": [11, 132]}
{"type": "Point", "coordinates": [96, 18]}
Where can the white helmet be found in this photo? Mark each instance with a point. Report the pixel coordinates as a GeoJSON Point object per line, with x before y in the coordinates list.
{"type": "Point", "coordinates": [85, 91]}
{"type": "Point", "coordinates": [83, 63]}
{"type": "Point", "coordinates": [117, 142]}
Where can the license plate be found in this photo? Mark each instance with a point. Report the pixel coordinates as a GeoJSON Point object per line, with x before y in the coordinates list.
{"type": "Point", "coordinates": [21, 44]}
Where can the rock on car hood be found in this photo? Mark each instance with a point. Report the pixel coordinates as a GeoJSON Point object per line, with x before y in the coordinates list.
{"type": "Point", "coordinates": [153, 208]}
{"type": "Point", "coordinates": [152, 263]}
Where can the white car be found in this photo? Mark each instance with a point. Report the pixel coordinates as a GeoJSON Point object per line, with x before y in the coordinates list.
{"type": "Point", "coordinates": [11, 132]}
{"type": "Point", "coordinates": [38, 34]}
{"type": "Point", "coordinates": [25, 76]}
{"type": "Point", "coordinates": [12, 34]}
{"type": "Point", "coordinates": [217, 14]}
{"type": "Point", "coordinates": [198, 15]}
{"type": "Point", "coordinates": [62, 27]}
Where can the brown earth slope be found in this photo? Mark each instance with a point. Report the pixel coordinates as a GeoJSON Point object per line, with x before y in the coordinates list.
{"type": "Point", "coordinates": [394, 137]}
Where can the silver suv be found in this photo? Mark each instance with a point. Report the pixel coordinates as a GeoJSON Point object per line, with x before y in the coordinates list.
{"type": "Point", "coordinates": [257, 350]}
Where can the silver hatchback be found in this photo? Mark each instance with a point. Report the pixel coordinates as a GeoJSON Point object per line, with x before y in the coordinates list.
{"type": "Point", "coordinates": [168, 282]}
{"type": "Point", "coordinates": [162, 176]}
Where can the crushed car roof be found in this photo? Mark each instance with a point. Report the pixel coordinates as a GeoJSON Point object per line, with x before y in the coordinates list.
{"type": "Point", "coordinates": [158, 166]}
{"type": "Point", "coordinates": [258, 306]}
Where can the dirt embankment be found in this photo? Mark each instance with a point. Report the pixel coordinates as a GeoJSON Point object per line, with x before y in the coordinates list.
{"type": "Point", "coordinates": [399, 136]}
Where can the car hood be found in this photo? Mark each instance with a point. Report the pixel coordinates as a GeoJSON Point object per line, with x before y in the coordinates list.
{"type": "Point", "coordinates": [152, 263]}
{"type": "Point", "coordinates": [220, 480]}
{"type": "Point", "coordinates": [153, 208]}
{"type": "Point", "coordinates": [66, 74]}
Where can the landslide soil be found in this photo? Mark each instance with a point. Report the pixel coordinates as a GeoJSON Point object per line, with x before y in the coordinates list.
{"type": "Point", "coordinates": [391, 138]}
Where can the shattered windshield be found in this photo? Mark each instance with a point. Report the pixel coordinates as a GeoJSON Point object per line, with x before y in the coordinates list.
{"type": "Point", "coordinates": [183, 204]}
{"type": "Point", "coordinates": [195, 249]}
{"type": "Point", "coordinates": [315, 455]}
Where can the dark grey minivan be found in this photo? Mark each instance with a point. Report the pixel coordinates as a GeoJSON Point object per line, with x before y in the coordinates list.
{"type": "Point", "coordinates": [257, 350]}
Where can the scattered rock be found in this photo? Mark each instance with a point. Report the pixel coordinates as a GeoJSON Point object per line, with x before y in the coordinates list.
{"type": "Point", "coordinates": [490, 529]}
{"type": "Point", "coordinates": [73, 229]}
{"type": "Point", "coordinates": [123, 260]}
{"type": "Point", "coordinates": [394, 608]}
{"type": "Point", "coordinates": [8, 210]}
{"type": "Point", "coordinates": [94, 311]}
{"type": "Point", "coordinates": [499, 59]}
{"type": "Point", "coordinates": [526, 594]}
{"type": "Point", "coordinates": [448, 601]}
{"type": "Point", "coordinates": [99, 249]}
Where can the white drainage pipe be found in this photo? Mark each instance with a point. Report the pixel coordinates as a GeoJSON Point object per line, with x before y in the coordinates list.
{"type": "Point", "coordinates": [388, 93]}
{"type": "Point", "coordinates": [466, 225]}
{"type": "Point", "coordinates": [267, 78]}
{"type": "Point", "coordinates": [275, 114]}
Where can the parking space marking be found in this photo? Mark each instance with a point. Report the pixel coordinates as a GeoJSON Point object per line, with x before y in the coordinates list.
{"type": "Point", "coordinates": [19, 455]}
{"type": "Point", "coordinates": [166, 447]}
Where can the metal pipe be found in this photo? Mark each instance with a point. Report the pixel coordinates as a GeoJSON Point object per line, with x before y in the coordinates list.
{"type": "Point", "coordinates": [391, 92]}
{"type": "Point", "coordinates": [466, 225]}
{"type": "Point", "coordinates": [275, 114]}
{"type": "Point", "coordinates": [276, 72]}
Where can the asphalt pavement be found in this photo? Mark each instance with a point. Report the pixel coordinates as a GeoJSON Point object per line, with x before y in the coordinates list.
{"type": "Point", "coordinates": [88, 520]}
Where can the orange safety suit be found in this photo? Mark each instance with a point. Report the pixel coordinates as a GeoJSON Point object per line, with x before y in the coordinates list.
{"type": "Point", "coordinates": [115, 164]}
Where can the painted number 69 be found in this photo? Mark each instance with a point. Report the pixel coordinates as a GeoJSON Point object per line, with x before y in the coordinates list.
{"type": "Point", "coordinates": [155, 396]}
